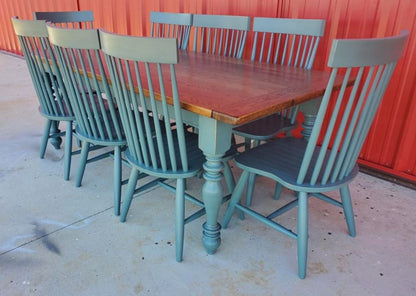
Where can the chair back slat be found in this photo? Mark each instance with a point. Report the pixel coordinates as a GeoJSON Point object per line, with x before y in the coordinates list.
{"type": "Point", "coordinates": [42, 65]}
{"type": "Point", "coordinates": [178, 115]}
{"type": "Point", "coordinates": [67, 19]}
{"type": "Point", "coordinates": [220, 34]}
{"type": "Point", "coordinates": [172, 25]}
{"type": "Point", "coordinates": [330, 130]}
{"type": "Point", "coordinates": [371, 112]}
{"type": "Point", "coordinates": [349, 118]}
{"type": "Point", "coordinates": [78, 52]}
{"type": "Point", "coordinates": [135, 117]}
{"type": "Point", "coordinates": [147, 95]}
{"type": "Point", "coordinates": [331, 165]}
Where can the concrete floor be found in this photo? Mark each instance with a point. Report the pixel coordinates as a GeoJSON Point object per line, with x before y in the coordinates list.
{"type": "Point", "coordinates": [56, 239]}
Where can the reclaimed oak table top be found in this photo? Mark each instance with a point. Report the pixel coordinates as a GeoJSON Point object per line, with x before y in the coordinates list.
{"type": "Point", "coordinates": [237, 91]}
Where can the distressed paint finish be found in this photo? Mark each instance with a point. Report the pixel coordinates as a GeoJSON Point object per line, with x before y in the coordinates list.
{"type": "Point", "coordinates": [389, 146]}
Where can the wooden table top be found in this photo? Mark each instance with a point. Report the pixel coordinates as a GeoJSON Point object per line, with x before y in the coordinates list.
{"type": "Point", "coordinates": [238, 91]}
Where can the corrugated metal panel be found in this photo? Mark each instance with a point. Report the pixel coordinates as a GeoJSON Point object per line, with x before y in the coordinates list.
{"type": "Point", "coordinates": [125, 16]}
{"type": "Point", "coordinates": [389, 146]}
{"type": "Point", "coordinates": [24, 10]}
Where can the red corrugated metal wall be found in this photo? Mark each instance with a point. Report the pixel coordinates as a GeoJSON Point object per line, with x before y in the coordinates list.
{"type": "Point", "coordinates": [24, 10]}
{"type": "Point", "coordinates": [389, 147]}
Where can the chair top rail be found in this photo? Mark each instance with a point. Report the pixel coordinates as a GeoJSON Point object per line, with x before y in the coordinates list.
{"type": "Point", "coordinates": [222, 21]}
{"type": "Point", "coordinates": [74, 38]}
{"type": "Point", "coordinates": [64, 16]}
{"type": "Point", "coordinates": [29, 28]}
{"type": "Point", "coordinates": [311, 27]}
{"type": "Point", "coordinates": [145, 49]}
{"type": "Point", "coordinates": [367, 52]}
{"type": "Point", "coordinates": [184, 19]}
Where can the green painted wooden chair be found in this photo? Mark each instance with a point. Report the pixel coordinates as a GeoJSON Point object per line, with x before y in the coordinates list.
{"type": "Point", "coordinates": [50, 89]}
{"type": "Point", "coordinates": [314, 167]}
{"type": "Point", "coordinates": [220, 34]}
{"type": "Point", "coordinates": [67, 19]}
{"type": "Point", "coordinates": [288, 42]}
{"type": "Point", "coordinates": [172, 25]}
{"type": "Point", "coordinates": [223, 35]}
{"type": "Point", "coordinates": [97, 121]}
{"type": "Point", "coordinates": [153, 147]}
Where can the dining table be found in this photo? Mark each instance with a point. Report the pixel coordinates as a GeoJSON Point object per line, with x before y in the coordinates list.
{"type": "Point", "coordinates": [218, 93]}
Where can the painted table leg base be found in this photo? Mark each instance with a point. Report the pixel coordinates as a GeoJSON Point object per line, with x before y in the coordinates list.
{"type": "Point", "coordinates": [211, 237]}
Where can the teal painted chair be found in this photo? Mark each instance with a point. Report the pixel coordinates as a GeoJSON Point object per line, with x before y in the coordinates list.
{"type": "Point", "coordinates": [97, 120]}
{"type": "Point", "coordinates": [288, 42]}
{"type": "Point", "coordinates": [50, 89]}
{"type": "Point", "coordinates": [67, 19]}
{"type": "Point", "coordinates": [154, 147]}
{"type": "Point", "coordinates": [314, 167]}
{"type": "Point", "coordinates": [223, 35]}
{"type": "Point", "coordinates": [172, 25]}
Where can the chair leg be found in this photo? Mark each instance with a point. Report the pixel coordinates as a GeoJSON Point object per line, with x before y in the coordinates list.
{"type": "Point", "coordinates": [251, 181]}
{"type": "Point", "coordinates": [250, 188]}
{"type": "Point", "coordinates": [45, 138]}
{"type": "Point", "coordinates": [131, 186]}
{"type": "Point", "coordinates": [247, 144]}
{"type": "Point", "coordinates": [117, 180]}
{"type": "Point", "coordinates": [228, 176]}
{"type": "Point", "coordinates": [179, 217]}
{"type": "Point", "coordinates": [348, 212]}
{"type": "Point", "coordinates": [277, 191]}
{"type": "Point", "coordinates": [302, 236]}
{"type": "Point", "coordinates": [82, 163]}
{"type": "Point", "coordinates": [235, 197]}
{"type": "Point", "coordinates": [68, 150]}
{"type": "Point", "coordinates": [55, 141]}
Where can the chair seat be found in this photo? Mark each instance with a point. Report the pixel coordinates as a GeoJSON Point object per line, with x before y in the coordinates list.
{"type": "Point", "coordinates": [265, 128]}
{"type": "Point", "coordinates": [195, 160]}
{"type": "Point", "coordinates": [64, 116]}
{"type": "Point", "coordinates": [281, 160]}
{"type": "Point", "coordinates": [105, 139]}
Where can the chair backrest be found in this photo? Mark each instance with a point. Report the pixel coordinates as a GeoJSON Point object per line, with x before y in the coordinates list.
{"type": "Point", "coordinates": [291, 42]}
{"type": "Point", "coordinates": [172, 25]}
{"type": "Point", "coordinates": [220, 34]}
{"type": "Point", "coordinates": [142, 71]}
{"type": "Point", "coordinates": [81, 66]}
{"type": "Point", "coordinates": [372, 62]}
{"type": "Point", "coordinates": [67, 19]}
{"type": "Point", "coordinates": [42, 65]}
